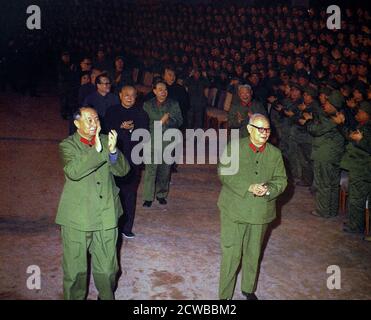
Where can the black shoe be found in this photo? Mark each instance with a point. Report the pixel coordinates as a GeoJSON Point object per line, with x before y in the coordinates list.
{"type": "Point", "coordinates": [128, 235]}
{"type": "Point", "coordinates": [147, 204]}
{"type": "Point", "coordinates": [162, 200]}
{"type": "Point", "coordinates": [250, 296]}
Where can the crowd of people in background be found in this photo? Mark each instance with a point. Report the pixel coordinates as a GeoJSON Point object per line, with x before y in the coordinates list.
{"type": "Point", "coordinates": [281, 61]}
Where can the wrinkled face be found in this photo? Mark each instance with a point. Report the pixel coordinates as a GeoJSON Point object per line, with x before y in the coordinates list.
{"type": "Point", "coordinates": [128, 96]}
{"type": "Point", "coordinates": [259, 131]}
{"type": "Point", "coordinates": [88, 123]}
{"type": "Point", "coordinates": [169, 77]}
{"type": "Point", "coordinates": [160, 92]}
{"type": "Point", "coordinates": [245, 94]}
{"type": "Point", "coordinates": [362, 116]}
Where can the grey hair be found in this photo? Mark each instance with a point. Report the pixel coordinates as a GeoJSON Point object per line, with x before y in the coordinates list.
{"type": "Point", "coordinates": [247, 86]}
{"type": "Point", "coordinates": [257, 116]}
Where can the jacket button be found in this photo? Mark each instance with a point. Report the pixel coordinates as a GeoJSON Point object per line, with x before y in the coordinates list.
{"type": "Point", "coordinates": [100, 197]}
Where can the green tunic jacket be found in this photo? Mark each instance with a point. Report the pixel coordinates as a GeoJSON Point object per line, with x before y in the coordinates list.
{"type": "Point", "coordinates": [90, 199]}
{"type": "Point", "coordinates": [357, 156]}
{"type": "Point", "coordinates": [256, 107]}
{"type": "Point", "coordinates": [240, 205]}
{"type": "Point", "coordinates": [155, 113]}
{"type": "Point", "coordinates": [328, 142]}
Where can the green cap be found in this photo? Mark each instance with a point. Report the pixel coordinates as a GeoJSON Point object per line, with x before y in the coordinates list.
{"type": "Point", "coordinates": [336, 99]}
{"type": "Point", "coordinates": [295, 85]}
{"type": "Point", "coordinates": [325, 90]}
{"type": "Point", "coordinates": [311, 91]}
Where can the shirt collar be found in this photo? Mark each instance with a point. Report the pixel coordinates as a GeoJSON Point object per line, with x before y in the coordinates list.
{"type": "Point", "coordinates": [255, 149]}
{"type": "Point", "coordinates": [87, 142]}
{"type": "Point", "coordinates": [160, 104]}
{"type": "Point", "coordinates": [246, 104]}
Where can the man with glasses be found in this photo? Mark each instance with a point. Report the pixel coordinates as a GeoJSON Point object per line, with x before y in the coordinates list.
{"type": "Point", "coordinates": [102, 98]}
{"type": "Point", "coordinates": [247, 204]}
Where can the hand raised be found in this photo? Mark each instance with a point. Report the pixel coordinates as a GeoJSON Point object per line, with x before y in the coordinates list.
{"type": "Point", "coordinates": [112, 141]}
{"type": "Point", "coordinates": [98, 144]}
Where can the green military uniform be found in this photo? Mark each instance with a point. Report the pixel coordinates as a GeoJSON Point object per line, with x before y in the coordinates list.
{"type": "Point", "coordinates": [157, 176]}
{"type": "Point", "coordinates": [254, 107]}
{"type": "Point", "coordinates": [288, 145]}
{"type": "Point", "coordinates": [302, 140]}
{"type": "Point", "coordinates": [88, 212]}
{"type": "Point", "coordinates": [244, 217]}
{"type": "Point", "coordinates": [327, 150]}
{"type": "Point", "coordinates": [357, 160]}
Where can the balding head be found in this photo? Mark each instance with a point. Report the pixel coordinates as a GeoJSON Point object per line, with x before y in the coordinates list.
{"type": "Point", "coordinates": [259, 129]}
{"type": "Point", "coordinates": [128, 95]}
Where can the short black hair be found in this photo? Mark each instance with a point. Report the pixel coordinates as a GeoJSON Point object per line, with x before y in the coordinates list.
{"type": "Point", "coordinates": [168, 67]}
{"type": "Point", "coordinates": [156, 81]}
{"type": "Point", "coordinates": [102, 75]}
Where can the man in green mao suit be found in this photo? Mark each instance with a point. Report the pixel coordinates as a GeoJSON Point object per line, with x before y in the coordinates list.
{"type": "Point", "coordinates": [240, 112]}
{"type": "Point", "coordinates": [357, 161]}
{"type": "Point", "coordinates": [167, 111]}
{"type": "Point", "coordinates": [327, 149]}
{"type": "Point", "coordinates": [89, 207]}
{"type": "Point", "coordinates": [247, 204]}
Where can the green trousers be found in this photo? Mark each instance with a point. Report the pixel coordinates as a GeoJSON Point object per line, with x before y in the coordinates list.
{"type": "Point", "coordinates": [305, 162]}
{"type": "Point", "coordinates": [156, 181]}
{"type": "Point", "coordinates": [359, 189]}
{"type": "Point", "coordinates": [326, 183]}
{"type": "Point", "coordinates": [239, 240]}
{"type": "Point", "coordinates": [102, 247]}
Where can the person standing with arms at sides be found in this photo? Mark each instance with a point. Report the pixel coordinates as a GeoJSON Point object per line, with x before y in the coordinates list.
{"type": "Point", "coordinates": [124, 118]}
{"type": "Point", "coordinates": [89, 207]}
{"type": "Point", "coordinates": [247, 204]}
{"type": "Point", "coordinates": [157, 176]}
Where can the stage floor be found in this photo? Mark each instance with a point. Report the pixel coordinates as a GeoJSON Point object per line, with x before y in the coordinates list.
{"type": "Point", "coordinates": [176, 253]}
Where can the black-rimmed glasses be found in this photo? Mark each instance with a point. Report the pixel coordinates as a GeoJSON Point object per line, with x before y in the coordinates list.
{"type": "Point", "coordinates": [261, 129]}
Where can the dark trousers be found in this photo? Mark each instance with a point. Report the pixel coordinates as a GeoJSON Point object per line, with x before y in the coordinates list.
{"type": "Point", "coordinates": [128, 195]}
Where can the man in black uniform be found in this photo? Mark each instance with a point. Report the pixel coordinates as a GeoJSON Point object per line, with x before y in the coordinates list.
{"type": "Point", "coordinates": [124, 118]}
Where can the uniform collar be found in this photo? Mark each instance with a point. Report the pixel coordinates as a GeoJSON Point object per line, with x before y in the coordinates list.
{"type": "Point", "coordinates": [246, 104]}
{"type": "Point", "coordinates": [255, 149]}
{"type": "Point", "coordinates": [87, 142]}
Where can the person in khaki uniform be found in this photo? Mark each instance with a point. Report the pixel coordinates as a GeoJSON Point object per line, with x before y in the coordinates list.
{"type": "Point", "coordinates": [90, 206]}
{"type": "Point", "coordinates": [157, 176]}
{"type": "Point", "coordinates": [247, 204]}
